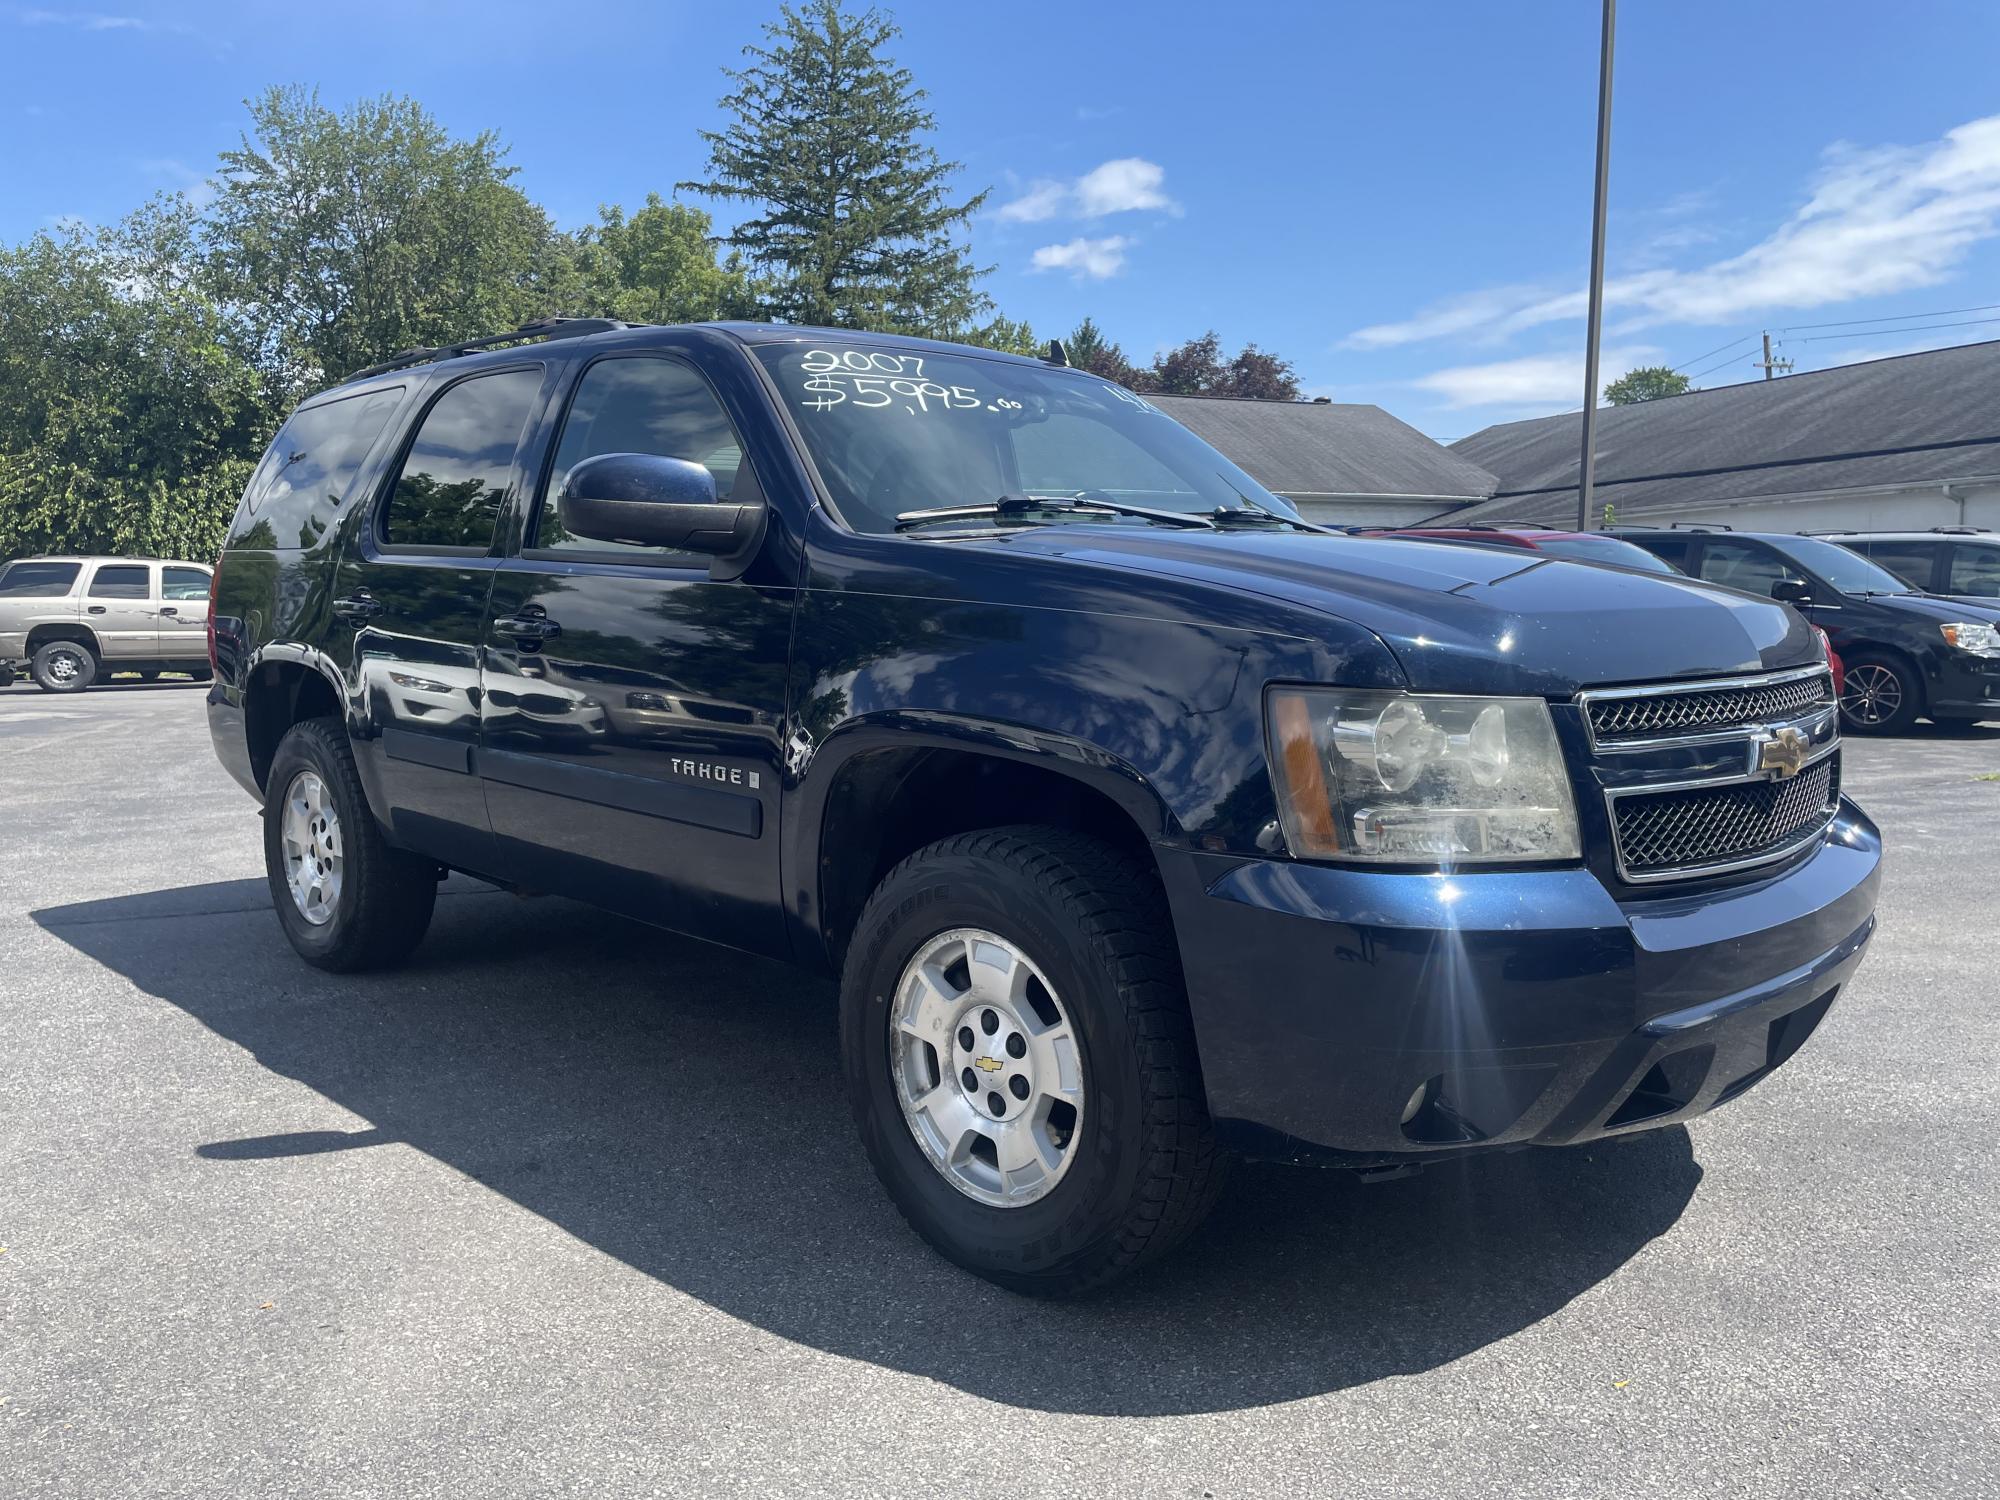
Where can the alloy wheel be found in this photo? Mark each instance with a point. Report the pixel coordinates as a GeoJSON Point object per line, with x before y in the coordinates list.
{"type": "Point", "coordinates": [1873, 694]}
{"type": "Point", "coordinates": [986, 1067]}
{"type": "Point", "coordinates": [309, 834]}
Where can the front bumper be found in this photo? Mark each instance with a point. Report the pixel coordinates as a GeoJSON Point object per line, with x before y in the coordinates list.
{"type": "Point", "coordinates": [1526, 1007]}
{"type": "Point", "coordinates": [1965, 687]}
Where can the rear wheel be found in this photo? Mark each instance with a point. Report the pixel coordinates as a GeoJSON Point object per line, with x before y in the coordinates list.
{"type": "Point", "coordinates": [1880, 695]}
{"type": "Point", "coordinates": [150, 674]}
{"type": "Point", "coordinates": [64, 667]}
{"type": "Point", "coordinates": [346, 899]}
{"type": "Point", "coordinates": [1018, 1052]}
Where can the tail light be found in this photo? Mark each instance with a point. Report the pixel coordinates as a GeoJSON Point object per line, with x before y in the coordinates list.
{"type": "Point", "coordinates": [214, 580]}
{"type": "Point", "coordinates": [1833, 662]}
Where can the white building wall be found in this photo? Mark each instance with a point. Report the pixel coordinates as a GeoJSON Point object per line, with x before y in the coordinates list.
{"type": "Point", "coordinates": [1905, 508]}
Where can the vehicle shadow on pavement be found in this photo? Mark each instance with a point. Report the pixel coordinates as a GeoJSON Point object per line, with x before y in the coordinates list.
{"type": "Point", "coordinates": [681, 1107]}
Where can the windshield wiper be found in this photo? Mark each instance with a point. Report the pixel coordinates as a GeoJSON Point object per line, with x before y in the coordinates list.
{"type": "Point", "coordinates": [1027, 507]}
{"type": "Point", "coordinates": [1244, 515]}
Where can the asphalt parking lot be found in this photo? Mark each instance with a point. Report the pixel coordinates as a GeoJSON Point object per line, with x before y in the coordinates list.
{"type": "Point", "coordinates": [571, 1207]}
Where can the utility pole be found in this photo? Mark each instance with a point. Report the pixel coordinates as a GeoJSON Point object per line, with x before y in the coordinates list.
{"type": "Point", "coordinates": [1586, 473]}
{"type": "Point", "coordinates": [1769, 365]}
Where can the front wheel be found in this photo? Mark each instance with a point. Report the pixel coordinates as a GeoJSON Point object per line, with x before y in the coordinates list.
{"type": "Point", "coordinates": [64, 667]}
{"type": "Point", "coordinates": [1018, 1052]}
{"type": "Point", "coordinates": [346, 899]}
{"type": "Point", "coordinates": [1879, 695]}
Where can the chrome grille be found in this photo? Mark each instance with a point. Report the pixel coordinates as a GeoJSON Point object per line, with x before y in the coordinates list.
{"type": "Point", "coordinates": [1675, 831]}
{"type": "Point", "coordinates": [1699, 710]}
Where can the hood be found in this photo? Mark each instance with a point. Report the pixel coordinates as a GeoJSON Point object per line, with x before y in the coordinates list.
{"type": "Point", "coordinates": [1462, 619]}
{"type": "Point", "coordinates": [1944, 608]}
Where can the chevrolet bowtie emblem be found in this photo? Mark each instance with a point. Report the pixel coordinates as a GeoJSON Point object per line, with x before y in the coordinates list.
{"type": "Point", "coordinates": [988, 1064]}
{"type": "Point", "coordinates": [1784, 754]}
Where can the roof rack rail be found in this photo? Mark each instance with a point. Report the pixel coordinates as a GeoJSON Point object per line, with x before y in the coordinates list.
{"type": "Point", "coordinates": [1963, 530]}
{"type": "Point", "coordinates": [1699, 526]}
{"type": "Point", "coordinates": [1508, 526]}
{"type": "Point", "coordinates": [540, 328]}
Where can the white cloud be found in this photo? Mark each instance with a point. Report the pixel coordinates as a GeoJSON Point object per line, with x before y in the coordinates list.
{"type": "Point", "coordinates": [1546, 380]}
{"type": "Point", "coordinates": [1125, 185]}
{"type": "Point", "coordinates": [84, 20]}
{"type": "Point", "coordinates": [1879, 221]}
{"type": "Point", "coordinates": [180, 177]}
{"type": "Point", "coordinates": [1085, 259]}
{"type": "Point", "coordinates": [1044, 199]}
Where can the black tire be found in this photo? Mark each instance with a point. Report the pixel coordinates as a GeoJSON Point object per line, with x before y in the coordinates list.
{"type": "Point", "coordinates": [6, 674]}
{"type": "Point", "coordinates": [150, 674]}
{"type": "Point", "coordinates": [64, 667]}
{"type": "Point", "coordinates": [200, 674]}
{"type": "Point", "coordinates": [386, 895]}
{"type": "Point", "coordinates": [1095, 921]}
{"type": "Point", "coordinates": [1881, 694]}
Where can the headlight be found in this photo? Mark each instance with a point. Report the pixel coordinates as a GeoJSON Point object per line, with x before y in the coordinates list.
{"type": "Point", "coordinates": [1397, 777]}
{"type": "Point", "coordinates": [1976, 636]}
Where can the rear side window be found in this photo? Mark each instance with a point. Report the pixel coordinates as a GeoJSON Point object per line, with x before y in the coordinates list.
{"type": "Point", "coordinates": [29, 580]}
{"type": "Point", "coordinates": [1974, 570]}
{"type": "Point", "coordinates": [655, 406]}
{"type": "Point", "coordinates": [183, 583]}
{"type": "Point", "coordinates": [1746, 566]}
{"type": "Point", "coordinates": [1910, 561]}
{"type": "Point", "coordinates": [122, 581]}
{"type": "Point", "coordinates": [311, 464]}
{"type": "Point", "coordinates": [455, 477]}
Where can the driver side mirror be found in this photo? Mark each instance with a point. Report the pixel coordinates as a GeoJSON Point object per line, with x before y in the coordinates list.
{"type": "Point", "coordinates": [1792, 591]}
{"type": "Point", "coordinates": [651, 501]}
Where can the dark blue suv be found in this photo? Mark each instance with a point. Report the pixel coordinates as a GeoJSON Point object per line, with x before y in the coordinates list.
{"type": "Point", "coordinates": [1143, 822]}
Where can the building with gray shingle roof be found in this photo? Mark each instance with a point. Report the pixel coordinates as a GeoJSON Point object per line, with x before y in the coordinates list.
{"type": "Point", "coordinates": [1910, 441]}
{"type": "Point", "coordinates": [1338, 463]}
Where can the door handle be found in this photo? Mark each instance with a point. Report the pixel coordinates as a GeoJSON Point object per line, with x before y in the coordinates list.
{"type": "Point", "coordinates": [95, 609]}
{"type": "Point", "coordinates": [357, 607]}
{"type": "Point", "coordinates": [526, 627]}
{"type": "Point", "coordinates": [168, 609]}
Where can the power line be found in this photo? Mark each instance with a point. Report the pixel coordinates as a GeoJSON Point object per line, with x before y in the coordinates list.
{"type": "Point", "coordinates": [1943, 312]}
{"type": "Point", "coordinates": [1862, 333]}
{"type": "Point", "coordinates": [1731, 345]}
{"type": "Point", "coordinates": [1697, 374]}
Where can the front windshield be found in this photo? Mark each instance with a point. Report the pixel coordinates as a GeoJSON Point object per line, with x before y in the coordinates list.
{"type": "Point", "coordinates": [895, 430]}
{"type": "Point", "coordinates": [1849, 572]}
{"type": "Point", "coordinates": [1607, 549]}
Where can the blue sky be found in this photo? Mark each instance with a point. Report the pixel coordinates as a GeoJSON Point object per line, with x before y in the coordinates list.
{"type": "Point", "coordinates": [1394, 196]}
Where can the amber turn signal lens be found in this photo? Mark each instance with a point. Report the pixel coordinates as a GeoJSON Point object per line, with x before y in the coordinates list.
{"type": "Point", "coordinates": [1302, 778]}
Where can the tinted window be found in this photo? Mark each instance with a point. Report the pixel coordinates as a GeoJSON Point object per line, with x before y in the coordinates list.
{"type": "Point", "coordinates": [1974, 570]}
{"type": "Point", "coordinates": [455, 476]}
{"type": "Point", "coordinates": [1910, 561]}
{"type": "Point", "coordinates": [29, 579]}
{"type": "Point", "coordinates": [1607, 549]}
{"type": "Point", "coordinates": [1671, 549]}
{"type": "Point", "coordinates": [311, 463]}
{"type": "Point", "coordinates": [639, 406]}
{"type": "Point", "coordinates": [1847, 571]}
{"type": "Point", "coordinates": [183, 583]}
{"type": "Point", "coordinates": [122, 581]}
{"type": "Point", "coordinates": [1746, 566]}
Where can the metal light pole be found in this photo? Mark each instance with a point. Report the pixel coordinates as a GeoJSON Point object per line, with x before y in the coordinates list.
{"type": "Point", "coordinates": [1587, 473]}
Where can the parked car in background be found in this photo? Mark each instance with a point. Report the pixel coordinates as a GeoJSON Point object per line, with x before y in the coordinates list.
{"type": "Point", "coordinates": [1906, 655]}
{"type": "Point", "coordinates": [1578, 546]}
{"type": "Point", "coordinates": [72, 621]}
{"type": "Point", "coordinates": [1957, 562]}
{"type": "Point", "coordinates": [1143, 821]}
